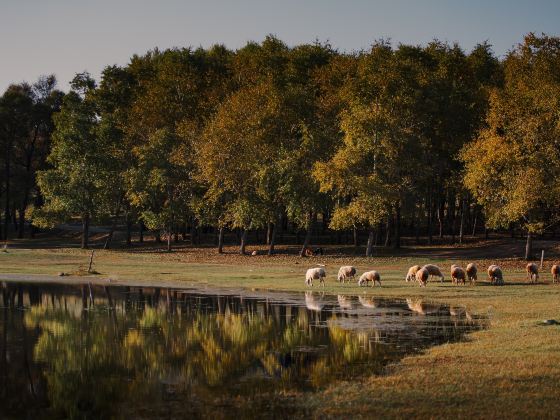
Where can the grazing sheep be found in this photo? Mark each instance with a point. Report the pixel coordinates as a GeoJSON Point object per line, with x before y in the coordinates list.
{"type": "Point", "coordinates": [471, 273]}
{"type": "Point", "coordinates": [458, 275]}
{"type": "Point", "coordinates": [451, 268]}
{"type": "Point", "coordinates": [411, 274]}
{"type": "Point", "coordinates": [555, 271]}
{"type": "Point", "coordinates": [495, 275]}
{"type": "Point", "coordinates": [434, 270]}
{"type": "Point", "coordinates": [345, 272]}
{"type": "Point", "coordinates": [368, 276]}
{"type": "Point", "coordinates": [532, 272]}
{"type": "Point", "coordinates": [422, 277]}
{"type": "Point", "coordinates": [315, 274]}
{"type": "Point", "coordinates": [255, 253]}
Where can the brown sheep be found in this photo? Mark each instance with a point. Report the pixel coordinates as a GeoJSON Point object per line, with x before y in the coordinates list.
{"type": "Point", "coordinates": [458, 275]}
{"type": "Point", "coordinates": [411, 275]}
{"type": "Point", "coordinates": [345, 272]}
{"type": "Point", "coordinates": [422, 277]}
{"type": "Point", "coordinates": [532, 272]}
{"type": "Point", "coordinates": [555, 271]}
{"type": "Point", "coordinates": [495, 275]}
{"type": "Point", "coordinates": [368, 276]}
{"type": "Point", "coordinates": [471, 273]}
{"type": "Point", "coordinates": [434, 270]}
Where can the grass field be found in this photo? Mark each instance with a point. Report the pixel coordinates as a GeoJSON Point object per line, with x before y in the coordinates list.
{"type": "Point", "coordinates": [510, 370]}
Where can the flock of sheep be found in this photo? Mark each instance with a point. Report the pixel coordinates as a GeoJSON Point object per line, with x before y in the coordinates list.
{"type": "Point", "coordinates": [421, 274]}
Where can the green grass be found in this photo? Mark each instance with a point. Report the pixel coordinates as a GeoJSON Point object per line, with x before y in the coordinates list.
{"type": "Point", "coordinates": [510, 370]}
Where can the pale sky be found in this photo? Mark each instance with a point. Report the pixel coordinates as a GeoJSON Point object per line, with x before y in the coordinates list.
{"type": "Point", "coordinates": [69, 36]}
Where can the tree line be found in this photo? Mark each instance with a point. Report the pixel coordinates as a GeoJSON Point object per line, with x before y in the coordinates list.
{"type": "Point", "coordinates": [417, 140]}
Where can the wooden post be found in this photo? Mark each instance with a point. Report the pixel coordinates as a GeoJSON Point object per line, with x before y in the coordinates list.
{"type": "Point", "coordinates": [542, 258]}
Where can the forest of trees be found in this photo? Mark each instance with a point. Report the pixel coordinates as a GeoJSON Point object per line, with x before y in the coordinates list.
{"type": "Point", "coordinates": [422, 141]}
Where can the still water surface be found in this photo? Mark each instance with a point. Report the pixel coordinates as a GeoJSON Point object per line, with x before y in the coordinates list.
{"type": "Point", "coordinates": [102, 352]}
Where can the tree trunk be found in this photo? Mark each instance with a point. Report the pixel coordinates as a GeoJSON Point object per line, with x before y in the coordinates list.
{"type": "Point", "coordinates": [529, 247]}
{"type": "Point", "coordinates": [21, 224]}
{"type": "Point", "coordinates": [85, 231]}
{"type": "Point", "coordinates": [441, 207]}
{"type": "Point", "coordinates": [462, 223]}
{"type": "Point", "coordinates": [243, 242]}
{"type": "Point", "coordinates": [141, 233]}
{"type": "Point", "coordinates": [388, 230]}
{"type": "Point", "coordinates": [355, 237]}
{"type": "Point", "coordinates": [430, 218]}
{"type": "Point", "coordinates": [113, 227]}
{"type": "Point", "coordinates": [272, 239]}
{"type": "Point", "coordinates": [307, 239]}
{"type": "Point", "coordinates": [416, 224]}
{"type": "Point", "coordinates": [369, 248]}
{"type": "Point", "coordinates": [221, 240]}
{"type": "Point", "coordinates": [183, 231]}
{"type": "Point", "coordinates": [268, 232]}
{"type": "Point", "coordinates": [474, 222]}
{"type": "Point", "coordinates": [128, 232]}
{"type": "Point", "coordinates": [169, 234]}
{"type": "Point", "coordinates": [397, 243]}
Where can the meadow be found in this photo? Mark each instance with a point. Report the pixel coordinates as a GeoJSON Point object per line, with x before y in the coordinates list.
{"type": "Point", "coordinates": [511, 369]}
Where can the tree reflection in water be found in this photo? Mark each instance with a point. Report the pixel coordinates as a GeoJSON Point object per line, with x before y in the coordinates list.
{"type": "Point", "coordinates": [96, 352]}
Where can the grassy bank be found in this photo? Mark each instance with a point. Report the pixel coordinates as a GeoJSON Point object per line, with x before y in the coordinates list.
{"type": "Point", "coordinates": [510, 370]}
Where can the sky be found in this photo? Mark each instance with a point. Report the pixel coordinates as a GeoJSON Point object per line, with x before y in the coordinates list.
{"type": "Point", "coordinates": [65, 37]}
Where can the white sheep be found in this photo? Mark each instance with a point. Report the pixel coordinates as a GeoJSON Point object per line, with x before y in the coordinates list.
{"type": "Point", "coordinates": [411, 274]}
{"type": "Point", "coordinates": [315, 274]}
{"type": "Point", "coordinates": [495, 275]}
{"type": "Point", "coordinates": [434, 270]}
{"type": "Point", "coordinates": [345, 273]}
{"type": "Point", "coordinates": [472, 273]}
{"type": "Point", "coordinates": [368, 276]}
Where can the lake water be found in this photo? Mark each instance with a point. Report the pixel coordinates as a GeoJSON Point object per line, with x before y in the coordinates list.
{"type": "Point", "coordinates": [104, 352]}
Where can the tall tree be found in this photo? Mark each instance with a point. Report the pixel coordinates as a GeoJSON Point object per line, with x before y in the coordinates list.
{"type": "Point", "coordinates": [80, 182]}
{"type": "Point", "coordinates": [16, 115]}
{"type": "Point", "coordinates": [512, 168]}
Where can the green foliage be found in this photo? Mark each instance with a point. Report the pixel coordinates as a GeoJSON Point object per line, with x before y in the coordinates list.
{"type": "Point", "coordinates": [512, 168]}
{"type": "Point", "coordinates": [81, 179]}
{"type": "Point", "coordinates": [237, 139]}
{"type": "Point", "coordinates": [158, 184]}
